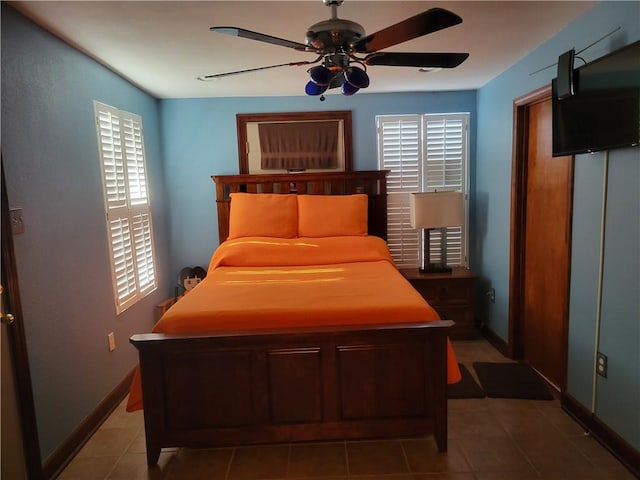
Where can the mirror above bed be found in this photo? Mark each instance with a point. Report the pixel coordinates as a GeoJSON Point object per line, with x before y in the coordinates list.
{"type": "Point", "coordinates": [290, 142]}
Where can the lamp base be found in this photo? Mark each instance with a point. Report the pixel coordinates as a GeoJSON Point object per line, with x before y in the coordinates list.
{"type": "Point", "coordinates": [425, 265]}
{"type": "Point", "coordinates": [435, 269]}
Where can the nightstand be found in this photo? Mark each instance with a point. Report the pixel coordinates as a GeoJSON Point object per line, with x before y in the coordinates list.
{"type": "Point", "coordinates": [162, 307]}
{"type": "Point", "coordinates": [451, 295]}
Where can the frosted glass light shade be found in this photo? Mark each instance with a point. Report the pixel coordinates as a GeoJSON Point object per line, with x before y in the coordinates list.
{"type": "Point", "coordinates": [320, 75]}
{"type": "Point", "coordinates": [348, 89]}
{"type": "Point", "coordinates": [312, 88]}
{"type": "Point", "coordinates": [357, 77]}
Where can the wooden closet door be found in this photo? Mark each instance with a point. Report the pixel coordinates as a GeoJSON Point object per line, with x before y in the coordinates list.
{"type": "Point", "coordinates": [547, 249]}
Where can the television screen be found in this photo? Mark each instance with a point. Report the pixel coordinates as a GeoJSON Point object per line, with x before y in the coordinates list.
{"type": "Point", "coordinates": [604, 112]}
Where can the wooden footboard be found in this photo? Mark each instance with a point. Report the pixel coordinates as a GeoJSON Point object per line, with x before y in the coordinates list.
{"type": "Point", "coordinates": [294, 385]}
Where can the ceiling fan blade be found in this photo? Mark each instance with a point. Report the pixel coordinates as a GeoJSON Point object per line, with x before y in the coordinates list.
{"type": "Point", "coordinates": [215, 76]}
{"type": "Point", "coordinates": [261, 37]}
{"type": "Point", "coordinates": [434, 60]}
{"type": "Point", "coordinates": [430, 21]}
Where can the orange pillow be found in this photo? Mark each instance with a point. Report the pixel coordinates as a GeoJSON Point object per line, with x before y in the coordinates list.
{"type": "Point", "coordinates": [332, 215]}
{"type": "Point", "coordinates": [263, 215]}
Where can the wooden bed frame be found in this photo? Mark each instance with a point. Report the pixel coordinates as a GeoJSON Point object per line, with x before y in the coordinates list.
{"type": "Point", "coordinates": [371, 182]}
{"type": "Point", "coordinates": [303, 384]}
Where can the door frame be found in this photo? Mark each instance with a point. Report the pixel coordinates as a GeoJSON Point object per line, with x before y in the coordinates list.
{"type": "Point", "coordinates": [18, 345]}
{"type": "Point", "coordinates": [519, 178]}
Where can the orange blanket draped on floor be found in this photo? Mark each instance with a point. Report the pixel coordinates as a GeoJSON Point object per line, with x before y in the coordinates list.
{"type": "Point", "coordinates": [259, 282]}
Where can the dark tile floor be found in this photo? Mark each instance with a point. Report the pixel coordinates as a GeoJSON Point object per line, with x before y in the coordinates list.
{"type": "Point", "coordinates": [489, 439]}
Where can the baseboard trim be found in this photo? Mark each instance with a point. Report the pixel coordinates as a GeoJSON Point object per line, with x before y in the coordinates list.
{"type": "Point", "coordinates": [60, 458]}
{"type": "Point", "coordinates": [497, 342]}
{"type": "Point", "coordinates": [619, 448]}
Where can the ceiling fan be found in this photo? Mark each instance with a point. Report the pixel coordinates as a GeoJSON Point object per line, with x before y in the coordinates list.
{"type": "Point", "coordinates": [340, 43]}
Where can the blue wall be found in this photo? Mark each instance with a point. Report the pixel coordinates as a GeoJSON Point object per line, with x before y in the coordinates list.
{"type": "Point", "coordinates": [618, 396]}
{"type": "Point", "coordinates": [199, 140]}
{"type": "Point", "coordinates": [51, 162]}
{"type": "Point", "coordinates": [606, 223]}
{"type": "Point", "coordinates": [50, 158]}
{"type": "Point", "coordinates": [588, 191]}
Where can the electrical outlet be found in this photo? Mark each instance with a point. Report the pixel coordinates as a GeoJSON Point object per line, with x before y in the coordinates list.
{"type": "Point", "coordinates": [601, 365]}
{"type": "Point", "coordinates": [491, 295]}
{"type": "Point", "coordinates": [112, 341]}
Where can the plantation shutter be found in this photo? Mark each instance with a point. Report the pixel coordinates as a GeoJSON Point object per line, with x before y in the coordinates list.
{"type": "Point", "coordinates": [139, 203]}
{"type": "Point", "coordinates": [445, 139]}
{"type": "Point", "coordinates": [400, 152]}
{"type": "Point", "coordinates": [128, 213]}
{"type": "Point", "coordinates": [422, 153]}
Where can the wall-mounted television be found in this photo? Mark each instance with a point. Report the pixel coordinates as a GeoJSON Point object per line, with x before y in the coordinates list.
{"type": "Point", "coordinates": [603, 111]}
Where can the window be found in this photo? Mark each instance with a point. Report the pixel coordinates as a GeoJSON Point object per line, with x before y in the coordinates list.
{"type": "Point", "coordinates": [423, 153]}
{"type": "Point", "coordinates": [127, 205]}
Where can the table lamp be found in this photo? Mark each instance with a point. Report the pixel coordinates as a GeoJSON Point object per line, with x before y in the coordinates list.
{"type": "Point", "coordinates": [436, 210]}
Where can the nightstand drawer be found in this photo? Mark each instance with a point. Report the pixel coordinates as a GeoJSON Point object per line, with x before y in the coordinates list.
{"type": "Point", "coordinates": [464, 327]}
{"type": "Point", "coordinates": [457, 314]}
{"type": "Point", "coordinates": [451, 295]}
{"type": "Point", "coordinates": [458, 292]}
{"type": "Point", "coordinates": [430, 292]}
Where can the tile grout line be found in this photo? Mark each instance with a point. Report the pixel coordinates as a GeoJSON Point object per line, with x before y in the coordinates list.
{"type": "Point", "coordinates": [288, 468]}
{"type": "Point", "coordinates": [346, 457]}
{"type": "Point", "coordinates": [115, 464]}
{"type": "Point", "coordinates": [231, 458]}
{"type": "Point", "coordinates": [406, 459]}
{"type": "Point", "coordinates": [537, 471]}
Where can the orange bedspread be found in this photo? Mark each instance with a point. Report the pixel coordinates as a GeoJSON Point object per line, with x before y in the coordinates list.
{"type": "Point", "coordinates": [261, 282]}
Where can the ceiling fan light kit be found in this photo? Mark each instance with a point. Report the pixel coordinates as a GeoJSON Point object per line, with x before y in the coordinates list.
{"type": "Point", "coordinates": [356, 77]}
{"type": "Point", "coordinates": [348, 89]}
{"type": "Point", "coordinates": [333, 75]}
{"type": "Point", "coordinates": [337, 42]}
{"type": "Point", "coordinates": [320, 75]}
{"type": "Point", "coordinates": [313, 89]}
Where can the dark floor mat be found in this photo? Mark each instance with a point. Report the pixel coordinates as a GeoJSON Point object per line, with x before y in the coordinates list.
{"type": "Point", "coordinates": [465, 388]}
{"type": "Point", "coordinates": [511, 380]}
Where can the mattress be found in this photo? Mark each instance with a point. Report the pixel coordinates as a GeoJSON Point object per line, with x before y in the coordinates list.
{"type": "Point", "coordinates": [263, 282]}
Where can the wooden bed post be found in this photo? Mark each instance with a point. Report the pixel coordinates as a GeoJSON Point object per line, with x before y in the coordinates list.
{"type": "Point", "coordinates": [436, 361]}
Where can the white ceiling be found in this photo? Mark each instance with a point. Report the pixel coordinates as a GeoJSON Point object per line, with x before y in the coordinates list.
{"type": "Point", "coordinates": [163, 46]}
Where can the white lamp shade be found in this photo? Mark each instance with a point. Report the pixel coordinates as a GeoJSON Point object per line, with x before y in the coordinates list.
{"type": "Point", "coordinates": [436, 209]}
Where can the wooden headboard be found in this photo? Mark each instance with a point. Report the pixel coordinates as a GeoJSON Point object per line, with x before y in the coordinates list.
{"type": "Point", "coordinates": [371, 182]}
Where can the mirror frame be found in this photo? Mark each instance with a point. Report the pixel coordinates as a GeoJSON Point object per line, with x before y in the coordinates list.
{"type": "Point", "coordinates": [242, 119]}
